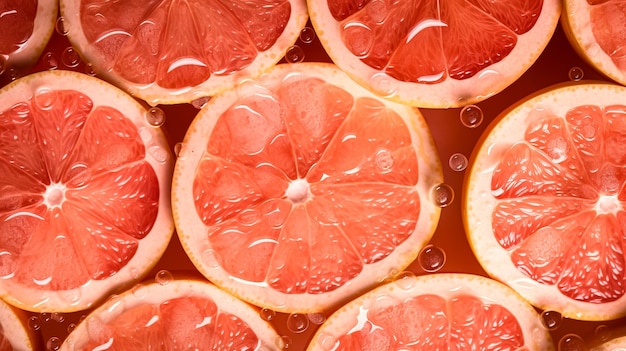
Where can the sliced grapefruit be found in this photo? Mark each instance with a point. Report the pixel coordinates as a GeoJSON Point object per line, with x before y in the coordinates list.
{"type": "Point", "coordinates": [298, 191]}
{"type": "Point", "coordinates": [435, 312]}
{"type": "Point", "coordinates": [595, 28]}
{"type": "Point", "coordinates": [14, 334]}
{"type": "Point", "coordinates": [545, 200]}
{"type": "Point", "coordinates": [616, 344]}
{"type": "Point", "coordinates": [181, 314]}
{"type": "Point", "coordinates": [431, 53]}
{"type": "Point", "coordinates": [85, 191]}
{"type": "Point", "coordinates": [26, 26]}
{"type": "Point", "coordinates": [174, 51]}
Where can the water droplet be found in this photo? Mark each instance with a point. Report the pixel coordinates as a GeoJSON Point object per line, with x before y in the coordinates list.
{"type": "Point", "coordinates": [45, 316]}
{"type": "Point", "coordinates": [249, 217]}
{"type": "Point", "coordinates": [404, 280]}
{"type": "Point", "coordinates": [80, 175]}
{"type": "Point", "coordinates": [471, 116]}
{"type": "Point", "coordinates": [155, 117]}
{"type": "Point", "coordinates": [72, 297]}
{"type": "Point", "coordinates": [70, 57]}
{"type": "Point", "coordinates": [13, 74]}
{"type": "Point", "coordinates": [307, 35]}
{"type": "Point", "coordinates": [443, 195]}
{"type": "Point", "coordinates": [384, 160]}
{"type": "Point", "coordinates": [140, 291]}
{"type": "Point", "coordinates": [458, 162]}
{"type": "Point", "coordinates": [53, 344]}
{"type": "Point", "coordinates": [316, 317]}
{"type": "Point", "coordinates": [286, 342]}
{"type": "Point", "coordinates": [50, 59]}
{"type": "Point", "coordinates": [89, 70]}
{"type": "Point", "coordinates": [200, 102]}
{"type": "Point", "coordinates": [294, 54]}
{"type": "Point", "coordinates": [180, 150]}
{"type": "Point", "coordinates": [575, 74]}
{"type": "Point", "coordinates": [377, 11]}
{"type": "Point", "coordinates": [551, 319]}
{"type": "Point", "coordinates": [384, 84]}
{"type": "Point", "coordinates": [71, 327]}
{"type": "Point", "coordinates": [572, 342]}
{"type": "Point", "coordinates": [326, 341]}
{"type": "Point", "coordinates": [134, 273]}
{"type": "Point", "coordinates": [3, 64]}
{"type": "Point", "coordinates": [603, 333]}
{"type": "Point", "coordinates": [58, 317]}
{"type": "Point", "coordinates": [158, 153]}
{"type": "Point", "coordinates": [267, 314]}
{"type": "Point", "coordinates": [297, 322]}
{"type": "Point", "coordinates": [164, 277]}
{"type": "Point", "coordinates": [431, 258]}
{"type": "Point", "coordinates": [44, 99]}
{"type": "Point", "coordinates": [61, 26]}
{"type": "Point", "coordinates": [34, 323]}
{"type": "Point", "coordinates": [211, 258]}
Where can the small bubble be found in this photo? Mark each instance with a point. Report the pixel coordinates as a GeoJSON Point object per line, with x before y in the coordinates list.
{"type": "Point", "coordinates": [200, 102]}
{"type": "Point", "coordinates": [158, 153]}
{"type": "Point", "coordinates": [3, 64]}
{"type": "Point", "coordinates": [44, 99]}
{"type": "Point", "coordinates": [603, 333]}
{"type": "Point", "coordinates": [51, 60]}
{"type": "Point", "coordinates": [58, 317]}
{"type": "Point", "coordinates": [576, 74]}
{"type": "Point", "coordinates": [140, 291]}
{"type": "Point", "coordinates": [551, 319]}
{"type": "Point", "coordinates": [471, 116]}
{"type": "Point", "coordinates": [327, 342]}
{"type": "Point", "coordinates": [384, 160]}
{"type": "Point", "coordinates": [45, 316]}
{"type": "Point", "coordinates": [404, 280]}
{"type": "Point", "coordinates": [294, 54]}
{"type": "Point", "coordinates": [443, 195]}
{"type": "Point", "coordinates": [211, 258]}
{"type": "Point", "coordinates": [286, 341]}
{"type": "Point", "coordinates": [155, 117]}
{"type": "Point", "coordinates": [307, 35]}
{"type": "Point", "coordinates": [384, 84]}
{"type": "Point", "coordinates": [70, 57]}
{"type": "Point", "coordinates": [53, 344]}
{"type": "Point", "coordinates": [297, 322]}
{"type": "Point", "coordinates": [71, 297]}
{"type": "Point", "coordinates": [89, 70]}
{"type": "Point", "coordinates": [164, 277]}
{"type": "Point", "coordinates": [71, 327]}
{"type": "Point", "coordinates": [13, 73]}
{"type": "Point", "coordinates": [572, 342]}
{"type": "Point", "coordinates": [267, 314]}
{"type": "Point", "coordinates": [316, 318]}
{"type": "Point", "coordinates": [458, 162]}
{"type": "Point", "coordinates": [34, 323]}
{"type": "Point", "coordinates": [431, 258]}
{"type": "Point", "coordinates": [180, 150]}
{"type": "Point", "coordinates": [61, 26]}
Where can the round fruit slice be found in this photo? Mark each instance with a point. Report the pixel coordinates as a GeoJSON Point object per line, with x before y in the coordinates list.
{"type": "Point", "coordinates": [431, 53]}
{"type": "Point", "coordinates": [545, 200]}
{"type": "Point", "coordinates": [435, 312]}
{"type": "Point", "coordinates": [594, 28]}
{"type": "Point", "coordinates": [85, 191]}
{"type": "Point", "coordinates": [14, 334]}
{"type": "Point", "coordinates": [27, 25]}
{"type": "Point", "coordinates": [298, 191]}
{"type": "Point", "coordinates": [617, 344]}
{"type": "Point", "coordinates": [171, 51]}
{"type": "Point", "coordinates": [180, 314]}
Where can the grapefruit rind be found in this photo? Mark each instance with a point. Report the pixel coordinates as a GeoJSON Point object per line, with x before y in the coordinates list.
{"type": "Point", "coordinates": [192, 231]}
{"type": "Point", "coordinates": [478, 203]}
{"type": "Point", "coordinates": [616, 344]}
{"type": "Point", "coordinates": [449, 93]}
{"type": "Point", "coordinates": [446, 285]}
{"type": "Point", "coordinates": [156, 293]}
{"type": "Point", "coordinates": [152, 93]}
{"type": "Point", "coordinates": [12, 327]}
{"type": "Point", "coordinates": [157, 154]}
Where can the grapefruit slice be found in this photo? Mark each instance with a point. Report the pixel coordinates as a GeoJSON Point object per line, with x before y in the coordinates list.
{"type": "Point", "coordinates": [14, 334]}
{"type": "Point", "coordinates": [175, 51]}
{"type": "Point", "coordinates": [431, 53]}
{"type": "Point", "coordinates": [27, 25]}
{"type": "Point", "coordinates": [595, 29]}
{"type": "Point", "coordinates": [435, 312]}
{"type": "Point", "coordinates": [298, 191]}
{"type": "Point", "coordinates": [616, 344]}
{"type": "Point", "coordinates": [85, 191]}
{"type": "Point", "coordinates": [181, 314]}
{"type": "Point", "coordinates": [544, 206]}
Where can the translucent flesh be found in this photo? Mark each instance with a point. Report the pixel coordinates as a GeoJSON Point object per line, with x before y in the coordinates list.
{"type": "Point", "coordinates": [358, 161]}
{"type": "Point", "coordinates": [181, 43]}
{"type": "Point", "coordinates": [428, 41]}
{"type": "Point", "coordinates": [110, 193]}
{"type": "Point", "coordinates": [17, 20]}
{"type": "Point", "coordinates": [561, 193]}
{"type": "Point", "coordinates": [607, 26]}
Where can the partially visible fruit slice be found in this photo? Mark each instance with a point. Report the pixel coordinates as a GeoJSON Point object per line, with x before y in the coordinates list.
{"type": "Point", "coordinates": [84, 200]}
{"type": "Point", "coordinates": [435, 54]}
{"type": "Point", "coordinates": [617, 344]}
{"type": "Point", "coordinates": [435, 312]}
{"type": "Point", "coordinates": [25, 28]}
{"type": "Point", "coordinates": [595, 29]}
{"type": "Point", "coordinates": [181, 314]}
{"type": "Point", "coordinates": [544, 206]}
{"type": "Point", "coordinates": [299, 191]}
{"type": "Point", "coordinates": [14, 333]}
{"type": "Point", "coordinates": [173, 51]}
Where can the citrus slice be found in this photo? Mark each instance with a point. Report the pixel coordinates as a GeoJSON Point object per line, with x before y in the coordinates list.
{"type": "Point", "coordinates": [616, 344]}
{"type": "Point", "coordinates": [180, 314]}
{"type": "Point", "coordinates": [300, 190]}
{"type": "Point", "coordinates": [435, 312]}
{"type": "Point", "coordinates": [434, 54]}
{"type": "Point", "coordinates": [85, 191]}
{"type": "Point", "coordinates": [172, 51]}
{"type": "Point", "coordinates": [14, 334]}
{"type": "Point", "coordinates": [545, 200]}
{"type": "Point", "coordinates": [594, 29]}
{"type": "Point", "coordinates": [27, 25]}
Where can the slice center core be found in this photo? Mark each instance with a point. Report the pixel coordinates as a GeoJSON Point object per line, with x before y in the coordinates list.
{"type": "Point", "coordinates": [608, 204]}
{"type": "Point", "coordinates": [298, 191]}
{"type": "Point", "coordinates": [54, 195]}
